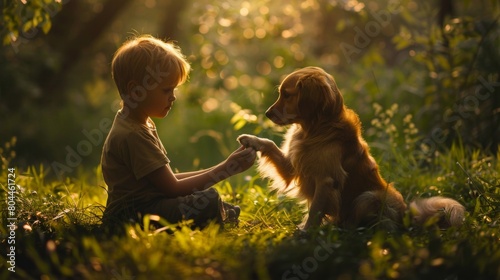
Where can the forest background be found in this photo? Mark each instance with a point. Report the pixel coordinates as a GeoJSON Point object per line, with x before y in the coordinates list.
{"type": "Point", "coordinates": [424, 77]}
{"type": "Point", "coordinates": [438, 61]}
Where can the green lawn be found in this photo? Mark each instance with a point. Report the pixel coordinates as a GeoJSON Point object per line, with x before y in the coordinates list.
{"type": "Point", "coordinates": [58, 234]}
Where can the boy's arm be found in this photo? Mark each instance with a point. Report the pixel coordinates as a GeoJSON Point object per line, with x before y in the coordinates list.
{"type": "Point", "coordinates": [164, 179]}
{"type": "Point", "coordinates": [183, 175]}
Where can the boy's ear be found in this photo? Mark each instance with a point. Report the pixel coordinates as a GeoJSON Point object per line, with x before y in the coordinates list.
{"type": "Point", "coordinates": [134, 93]}
{"type": "Point", "coordinates": [130, 87]}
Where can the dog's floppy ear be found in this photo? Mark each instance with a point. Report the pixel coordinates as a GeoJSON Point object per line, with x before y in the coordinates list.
{"type": "Point", "coordinates": [319, 96]}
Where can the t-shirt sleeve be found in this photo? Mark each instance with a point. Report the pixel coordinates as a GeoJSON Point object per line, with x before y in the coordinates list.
{"type": "Point", "coordinates": [145, 153]}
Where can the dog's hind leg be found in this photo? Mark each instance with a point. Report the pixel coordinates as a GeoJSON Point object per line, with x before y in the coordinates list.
{"type": "Point", "coordinates": [383, 208]}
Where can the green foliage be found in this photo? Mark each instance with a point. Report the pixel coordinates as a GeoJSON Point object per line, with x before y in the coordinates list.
{"type": "Point", "coordinates": [23, 18]}
{"type": "Point", "coordinates": [58, 231]}
{"type": "Point", "coordinates": [460, 88]}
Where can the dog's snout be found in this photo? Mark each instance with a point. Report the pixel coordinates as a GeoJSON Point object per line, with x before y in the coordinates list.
{"type": "Point", "coordinates": [272, 114]}
{"type": "Point", "coordinates": [269, 112]}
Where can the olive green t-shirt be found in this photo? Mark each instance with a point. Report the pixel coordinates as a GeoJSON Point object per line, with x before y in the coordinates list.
{"type": "Point", "coordinates": [131, 151]}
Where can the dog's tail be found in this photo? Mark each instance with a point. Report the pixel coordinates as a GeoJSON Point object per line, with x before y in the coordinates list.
{"type": "Point", "coordinates": [447, 211]}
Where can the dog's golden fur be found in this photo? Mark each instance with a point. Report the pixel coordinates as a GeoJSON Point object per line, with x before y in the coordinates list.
{"type": "Point", "coordinates": [327, 162]}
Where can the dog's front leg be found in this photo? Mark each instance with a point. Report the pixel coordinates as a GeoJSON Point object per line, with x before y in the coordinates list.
{"type": "Point", "coordinates": [326, 200]}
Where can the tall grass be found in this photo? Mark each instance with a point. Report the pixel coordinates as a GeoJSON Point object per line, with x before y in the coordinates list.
{"type": "Point", "coordinates": [58, 233]}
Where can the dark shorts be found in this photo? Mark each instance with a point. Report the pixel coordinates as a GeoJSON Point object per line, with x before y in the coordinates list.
{"type": "Point", "coordinates": [202, 207]}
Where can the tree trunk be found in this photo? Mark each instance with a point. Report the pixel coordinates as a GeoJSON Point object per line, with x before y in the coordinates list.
{"type": "Point", "coordinates": [78, 37]}
{"type": "Point", "coordinates": [169, 26]}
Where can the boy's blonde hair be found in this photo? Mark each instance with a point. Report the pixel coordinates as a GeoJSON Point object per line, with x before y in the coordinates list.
{"type": "Point", "coordinates": [144, 54]}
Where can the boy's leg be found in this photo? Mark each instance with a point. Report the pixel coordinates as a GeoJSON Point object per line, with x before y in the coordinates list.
{"type": "Point", "coordinates": [202, 207]}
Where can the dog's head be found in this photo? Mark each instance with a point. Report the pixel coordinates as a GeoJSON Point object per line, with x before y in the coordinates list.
{"type": "Point", "coordinates": [306, 96]}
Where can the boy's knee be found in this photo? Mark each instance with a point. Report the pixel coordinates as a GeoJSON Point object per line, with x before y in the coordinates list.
{"type": "Point", "coordinates": [210, 196]}
{"type": "Point", "coordinates": [205, 206]}
{"type": "Point", "coordinates": [204, 202]}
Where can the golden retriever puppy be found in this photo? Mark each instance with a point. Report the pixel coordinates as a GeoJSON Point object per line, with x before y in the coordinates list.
{"type": "Point", "coordinates": [325, 160]}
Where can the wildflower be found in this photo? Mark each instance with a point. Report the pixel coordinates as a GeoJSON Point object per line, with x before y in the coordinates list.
{"type": "Point", "coordinates": [377, 108]}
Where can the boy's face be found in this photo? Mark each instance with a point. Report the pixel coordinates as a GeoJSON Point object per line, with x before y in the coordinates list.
{"type": "Point", "coordinates": [160, 98]}
{"type": "Point", "coordinates": [152, 99]}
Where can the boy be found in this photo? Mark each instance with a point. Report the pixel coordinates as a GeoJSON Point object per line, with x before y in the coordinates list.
{"type": "Point", "coordinates": [135, 166]}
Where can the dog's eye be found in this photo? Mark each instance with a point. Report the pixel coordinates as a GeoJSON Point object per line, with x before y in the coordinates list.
{"type": "Point", "coordinates": [286, 95]}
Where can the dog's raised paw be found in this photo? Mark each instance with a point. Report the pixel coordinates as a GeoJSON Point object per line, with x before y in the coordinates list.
{"type": "Point", "coordinates": [252, 141]}
{"type": "Point", "coordinates": [245, 140]}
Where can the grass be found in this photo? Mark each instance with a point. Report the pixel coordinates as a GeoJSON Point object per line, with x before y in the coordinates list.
{"type": "Point", "coordinates": [58, 234]}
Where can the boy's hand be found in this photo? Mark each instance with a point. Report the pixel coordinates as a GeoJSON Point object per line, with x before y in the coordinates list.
{"type": "Point", "coordinates": [240, 160]}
